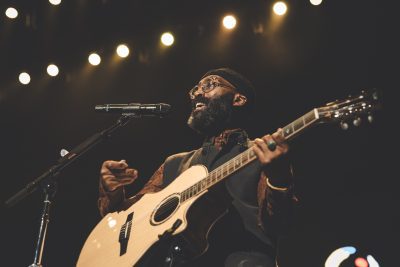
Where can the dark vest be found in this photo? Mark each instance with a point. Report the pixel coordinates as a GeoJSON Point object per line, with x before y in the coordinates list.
{"type": "Point", "coordinates": [241, 186]}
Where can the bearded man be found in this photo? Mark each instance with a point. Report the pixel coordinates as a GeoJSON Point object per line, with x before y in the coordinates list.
{"type": "Point", "coordinates": [236, 221]}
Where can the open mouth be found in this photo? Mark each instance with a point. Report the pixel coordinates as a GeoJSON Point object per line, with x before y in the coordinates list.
{"type": "Point", "coordinates": [199, 106]}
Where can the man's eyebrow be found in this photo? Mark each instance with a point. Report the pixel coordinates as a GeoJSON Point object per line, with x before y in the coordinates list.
{"type": "Point", "coordinates": [210, 78]}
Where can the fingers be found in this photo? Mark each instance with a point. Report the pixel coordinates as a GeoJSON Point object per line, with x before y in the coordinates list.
{"type": "Point", "coordinates": [112, 164]}
{"type": "Point", "coordinates": [127, 173]}
{"type": "Point", "coordinates": [111, 185]}
{"type": "Point", "coordinates": [115, 174]}
{"type": "Point", "coordinates": [261, 143]}
{"type": "Point", "coordinates": [121, 179]}
{"type": "Point", "coordinates": [267, 153]}
{"type": "Point", "coordinates": [260, 154]}
{"type": "Point", "coordinates": [264, 154]}
{"type": "Point", "coordinates": [278, 136]}
{"type": "Point", "coordinates": [279, 139]}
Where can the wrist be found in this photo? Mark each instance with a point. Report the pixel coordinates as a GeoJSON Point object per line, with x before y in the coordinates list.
{"type": "Point", "coordinates": [277, 188]}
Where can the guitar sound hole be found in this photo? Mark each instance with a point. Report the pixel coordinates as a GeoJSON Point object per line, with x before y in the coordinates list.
{"type": "Point", "coordinates": [166, 209]}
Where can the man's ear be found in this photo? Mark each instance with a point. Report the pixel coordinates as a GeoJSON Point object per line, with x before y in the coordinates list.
{"type": "Point", "coordinates": [239, 100]}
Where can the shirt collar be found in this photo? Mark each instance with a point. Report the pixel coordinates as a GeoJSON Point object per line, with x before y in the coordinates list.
{"type": "Point", "coordinates": [230, 136]}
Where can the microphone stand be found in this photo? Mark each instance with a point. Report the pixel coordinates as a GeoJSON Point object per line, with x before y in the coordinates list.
{"type": "Point", "coordinates": [48, 182]}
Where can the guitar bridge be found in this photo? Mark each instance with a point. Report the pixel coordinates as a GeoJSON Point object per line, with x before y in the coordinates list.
{"type": "Point", "coordinates": [124, 234]}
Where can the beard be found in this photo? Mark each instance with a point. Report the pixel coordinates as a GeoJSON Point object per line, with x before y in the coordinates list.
{"type": "Point", "coordinates": [214, 118]}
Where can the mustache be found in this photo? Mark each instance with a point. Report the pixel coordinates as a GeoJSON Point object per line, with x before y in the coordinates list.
{"type": "Point", "coordinates": [198, 99]}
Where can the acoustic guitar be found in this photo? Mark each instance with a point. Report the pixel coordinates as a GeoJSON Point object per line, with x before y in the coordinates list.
{"type": "Point", "coordinates": [122, 238]}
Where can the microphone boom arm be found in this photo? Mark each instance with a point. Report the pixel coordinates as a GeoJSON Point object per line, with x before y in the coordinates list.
{"type": "Point", "coordinates": [66, 160]}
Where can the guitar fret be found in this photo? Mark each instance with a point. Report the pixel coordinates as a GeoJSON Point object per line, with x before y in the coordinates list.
{"type": "Point", "coordinates": [298, 124]}
{"type": "Point", "coordinates": [224, 170]}
{"type": "Point", "coordinates": [187, 194]}
{"type": "Point", "coordinates": [287, 130]}
{"type": "Point", "coordinates": [309, 117]}
{"type": "Point", "coordinates": [198, 187]}
{"type": "Point", "coordinates": [244, 158]}
{"type": "Point", "coordinates": [251, 153]}
{"type": "Point", "coordinates": [191, 191]}
{"type": "Point", "coordinates": [214, 177]}
{"type": "Point", "coordinates": [194, 189]}
{"type": "Point", "coordinates": [237, 163]}
{"type": "Point", "coordinates": [231, 167]}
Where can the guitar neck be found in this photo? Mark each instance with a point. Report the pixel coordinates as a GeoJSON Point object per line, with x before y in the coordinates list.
{"type": "Point", "coordinates": [241, 160]}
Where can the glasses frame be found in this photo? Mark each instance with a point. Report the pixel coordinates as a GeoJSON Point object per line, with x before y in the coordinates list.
{"type": "Point", "coordinates": [207, 87]}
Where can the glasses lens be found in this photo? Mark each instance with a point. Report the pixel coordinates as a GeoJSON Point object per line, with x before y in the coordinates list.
{"type": "Point", "coordinates": [193, 91]}
{"type": "Point", "coordinates": [208, 86]}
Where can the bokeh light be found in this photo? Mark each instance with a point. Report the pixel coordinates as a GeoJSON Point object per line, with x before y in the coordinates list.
{"type": "Point", "coordinates": [167, 39]}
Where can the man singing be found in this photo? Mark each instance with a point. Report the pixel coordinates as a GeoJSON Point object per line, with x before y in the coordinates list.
{"type": "Point", "coordinates": [243, 215]}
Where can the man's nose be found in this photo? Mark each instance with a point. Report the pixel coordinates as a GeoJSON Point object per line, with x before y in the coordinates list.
{"type": "Point", "coordinates": [198, 92]}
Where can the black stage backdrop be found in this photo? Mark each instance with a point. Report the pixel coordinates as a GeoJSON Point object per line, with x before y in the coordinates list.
{"type": "Point", "coordinates": [345, 179]}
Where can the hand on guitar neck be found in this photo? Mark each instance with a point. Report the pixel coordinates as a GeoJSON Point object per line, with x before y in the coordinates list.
{"type": "Point", "coordinates": [115, 174]}
{"type": "Point", "coordinates": [271, 151]}
{"type": "Point", "coordinates": [270, 147]}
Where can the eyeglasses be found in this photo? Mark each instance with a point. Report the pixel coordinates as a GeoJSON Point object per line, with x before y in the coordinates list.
{"type": "Point", "coordinates": [206, 87]}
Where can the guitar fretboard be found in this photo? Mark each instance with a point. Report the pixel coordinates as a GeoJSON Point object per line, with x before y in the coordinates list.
{"type": "Point", "coordinates": [246, 157]}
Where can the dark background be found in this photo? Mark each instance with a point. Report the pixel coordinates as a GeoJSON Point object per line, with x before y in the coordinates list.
{"type": "Point", "coordinates": [345, 179]}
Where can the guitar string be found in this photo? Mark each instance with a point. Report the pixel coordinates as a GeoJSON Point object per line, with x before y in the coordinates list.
{"type": "Point", "coordinates": [249, 157]}
{"type": "Point", "coordinates": [231, 166]}
{"type": "Point", "coordinates": [166, 207]}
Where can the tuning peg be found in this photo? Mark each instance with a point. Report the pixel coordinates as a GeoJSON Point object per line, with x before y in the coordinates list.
{"type": "Point", "coordinates": [344, 125]}
{"type": "Point", "coordinates": [357, 121]}
{"type": "Point", "coordinates": [370, 118]}
{"type": "Point", "coordinates": [63, 152]}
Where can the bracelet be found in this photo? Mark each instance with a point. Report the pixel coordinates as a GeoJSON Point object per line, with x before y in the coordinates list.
{"type": "Point", "coordinates": [274, 187]}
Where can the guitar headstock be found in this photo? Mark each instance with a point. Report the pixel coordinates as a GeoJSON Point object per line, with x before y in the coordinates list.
{"type": "Point", "coordinates": [352, 108]}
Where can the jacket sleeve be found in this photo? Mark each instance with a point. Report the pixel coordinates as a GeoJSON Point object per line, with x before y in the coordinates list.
{"type": "Point", "coordinates": [276, 198]}
{"type": "Point", "coordinates": [116, 200]}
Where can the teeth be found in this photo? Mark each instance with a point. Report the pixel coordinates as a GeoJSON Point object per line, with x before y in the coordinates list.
{"type": "Point", "coordinates": [199, 105]}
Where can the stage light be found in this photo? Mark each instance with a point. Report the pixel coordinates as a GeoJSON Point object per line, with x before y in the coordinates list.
{"type": "Point", "coordinates": [280, 8]}
{"type": "Point", "coordinates": [372, 262]}
{"type": "Point", "coordinates": [339, 255]}
{"type": "Point", "coordinates": [55, 2]}
{"type": "Point", "coordinates": [347, 255]}
{"type": "Point", "coordinates": [94, 59]}
{"type": "Point", "coordinates": [24, 78]}
{"type": "Point", "coordinates": [11, 12]}
{"type": "Point", "coordinates": [167, 39]}
{"type": "Point", "coordinates": [361, 262]}
{"type": "Point", "coordinates": [315, 2]}
{"type": "Point", "coordinates": [229, 22]}
{"type": "Point", "coordinates": [52, 70]}
{"type": "Point", "coordinates": [122, 50]}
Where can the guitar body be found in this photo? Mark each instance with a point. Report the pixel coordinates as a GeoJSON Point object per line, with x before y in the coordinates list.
{"type": "Point", "coordinates": [122, 238]}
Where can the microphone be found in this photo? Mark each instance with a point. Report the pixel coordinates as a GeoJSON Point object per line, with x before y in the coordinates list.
{"type": "Point", "coordinates": [135, 109]}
